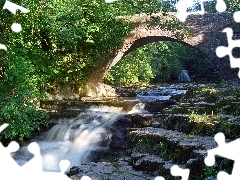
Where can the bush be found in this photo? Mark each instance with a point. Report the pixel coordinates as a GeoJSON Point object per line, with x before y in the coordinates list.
{"type": "Point", "coordinates": [19, 98]}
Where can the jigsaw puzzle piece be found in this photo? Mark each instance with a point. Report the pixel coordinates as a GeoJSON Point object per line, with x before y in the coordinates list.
{"type": "Point", "coordinates": [222, 51]}
{"type": "Point", "coordinates": [159, 178]}
{"type": "Point", "coordinates": [5, 153]}
{"type": "Point", "coordinates": [6, 160]}
{"type": "Point", "coordinates": [236, 16]}
{"type": "Point", "coordinates": [12, 7]}
{"type": "Point", "coordinates": [221, 6]}
{"type": "Point", "coordinates": [227, 150]}
{"type": "Point", "coordinates": [3, 126]}
{"type": "Point", "coordinates": [181, 7]}
{"type": "Point", "coordinates": [86, 178]}
{"type": "Point", "coordinates": [5, 156]}
{"type": "Point", "coordinates": [223, 176]}
{"type": "Point", "coordinates": [178, 171]}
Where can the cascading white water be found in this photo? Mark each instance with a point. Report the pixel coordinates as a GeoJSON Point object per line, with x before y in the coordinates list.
{"type": "Point", "coordinates": [75, 140]}
{"type": "Point", "coordinates": [160, 94]}
{"type": "Point", "coordinates": [184, 76]}
{"type": "Point", "coordinates": [81, 138]}
{"type": "Point", "coordinates": [138, 109]}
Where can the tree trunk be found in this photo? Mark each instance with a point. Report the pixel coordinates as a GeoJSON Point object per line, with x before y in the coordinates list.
{"type": "Point", "coordinates": [95, 86]}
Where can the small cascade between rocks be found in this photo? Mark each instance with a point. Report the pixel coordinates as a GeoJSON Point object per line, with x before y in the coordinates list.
{"type": "Point", "coordinates": [163, 93]}
{"type": "Point", "coordinates": [184, 76]}
{"type": "Point", "coordinates": [87, 137]}
{"type": "Point", "coordinates": [77, 140]}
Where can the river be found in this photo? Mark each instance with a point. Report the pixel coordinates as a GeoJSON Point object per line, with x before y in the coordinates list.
{"type": "Point", "coordinates": [77, 139]}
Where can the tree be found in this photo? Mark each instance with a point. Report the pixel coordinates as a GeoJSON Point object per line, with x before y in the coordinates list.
{"type": "Point", "coordinates": [62, 42]}
{"type": "Point", "coordinates": [59, 44]}
{"type": "Point", "coordinates": [161, 62]}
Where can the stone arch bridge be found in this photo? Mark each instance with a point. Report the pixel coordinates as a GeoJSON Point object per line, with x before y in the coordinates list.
{"type": "Point", "coordinates": [206, 36]}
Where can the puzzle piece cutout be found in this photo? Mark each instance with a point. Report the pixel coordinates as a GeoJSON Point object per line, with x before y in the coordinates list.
{"type": "Point", "coordinates": [32, 169]}
{"type": "Point", "coordinates": [222, 51]}
{"type": "Point", "coordinates": [16, 27]}
{"type": "Point", "coordinates": [86, 178]}
{"type": "Point", "coordinates": [177, 171]}
{"type": "Point", "coordinates": [182, 6]}
{"type": "Point", "coordinates": [5, 156]}
{"type": "Point", "coordinates": [227, 150]}
{"type": "Point", "coordinates": [109, 1]}
{"type": "Point", "coordinates": [236, 16]}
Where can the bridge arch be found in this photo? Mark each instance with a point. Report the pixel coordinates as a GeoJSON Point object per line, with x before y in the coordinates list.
{"type": "Point", "coordinates": [206, 36]}
{"type": "Point", "coordinates": [151, 39]}
{"type": "Point", "coordinates": [199, 66]}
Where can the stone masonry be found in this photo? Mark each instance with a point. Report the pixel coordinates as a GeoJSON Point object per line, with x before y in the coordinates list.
{"type": "Point", "coordinates": [206, 36]}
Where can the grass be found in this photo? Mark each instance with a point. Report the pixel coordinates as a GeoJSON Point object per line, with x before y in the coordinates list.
{"type": "Point", "coordinates": [195, 117]}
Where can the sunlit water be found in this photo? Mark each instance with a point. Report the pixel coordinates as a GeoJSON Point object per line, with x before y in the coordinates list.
{"type": "Point", "coordinates": [76, 139]}
{"type": "Point", "coordinates": [160, 94]}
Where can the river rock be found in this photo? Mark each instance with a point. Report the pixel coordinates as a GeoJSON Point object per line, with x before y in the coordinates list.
{"type": "Point", "coordinates": [95, 171]}
{"type": "Point", "coordinates": [120, 129]}
{"type": "Point", "coordinates": [159, 105]}
{"type": "Point", "coordinates": [126, 92]}
{"type": "Point", "coordinates": [139, 121]}
{"type": "Point", "coordinates": [149, 163]}
{"type": "Point", "coordinates": [118, 170]}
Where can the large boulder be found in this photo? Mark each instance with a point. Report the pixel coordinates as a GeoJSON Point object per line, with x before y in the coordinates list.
{"type": "Point", "coordinates": [120, 129]}
{"type": "Point", "coordinates": [159, 105]}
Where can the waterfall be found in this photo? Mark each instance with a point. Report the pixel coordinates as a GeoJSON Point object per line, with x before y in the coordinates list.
{"type": "Point", "coordinates": [87, 137]}
{"type": "Point", "coordinates": [74, 141]}
{"type": "Point", "coordinates": [163, 93]}
{"type": "Point", "coordinates": [183, 76]}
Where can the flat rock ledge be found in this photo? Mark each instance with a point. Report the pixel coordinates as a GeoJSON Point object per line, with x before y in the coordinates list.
{"type": "Point", "coordinates": [118, 170]}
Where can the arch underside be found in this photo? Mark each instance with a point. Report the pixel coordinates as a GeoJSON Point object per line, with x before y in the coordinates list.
{"type": "Point", "coordinates": [152, 39]}
{"type": "Point", "coordinates": [206, 36]}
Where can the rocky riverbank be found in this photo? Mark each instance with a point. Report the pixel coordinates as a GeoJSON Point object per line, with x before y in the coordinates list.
{"type": "Point", "coordinates": [178, 130]}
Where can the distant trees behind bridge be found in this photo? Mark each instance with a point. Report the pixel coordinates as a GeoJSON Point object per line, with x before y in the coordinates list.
{"type": "Point", "coordinates": [162, 62]}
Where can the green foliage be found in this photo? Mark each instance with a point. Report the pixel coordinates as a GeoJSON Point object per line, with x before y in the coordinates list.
{"type": "Point", "coordinates": [76, 35]}
{"type": "Point", "coordinates": [232, 5]}
{"type": "Point", "coordinates": [209, 171]}
{"type": "Point", "coordinates": [63, 43]}
{"type": "Point", "coordinates": [22, 78]}
{"type": "Point", "coordinates": [59, 44]}
{"type": "Point", "coordinates": [165, 62]}
{"type": "Point", "coordinates": [129, 7]}
{"type": "Point", "coordinates": [19, 98]}
{"type": "Point", "coordinates": [161, 62]}
{"type": "Point", "coordinates": [134, 69]}
{"type": "Point", "coordinates": [196, 117]}
{"type": "Point", "coordinates": [149, 63]}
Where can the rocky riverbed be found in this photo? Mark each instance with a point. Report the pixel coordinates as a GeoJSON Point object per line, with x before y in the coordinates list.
{"type": "Point", "coordinates": [163, 132]}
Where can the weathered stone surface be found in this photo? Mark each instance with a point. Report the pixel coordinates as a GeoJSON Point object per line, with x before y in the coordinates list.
{"type": "Point", "coordinates": [159, 105]}
{"type": "Point", "coordinates": [119, 170]}
{"type": "Point", "coordinates": [139, 121]}
{"type": "Point", "coordinates": [149, 163]}
{"type": "Point", "coordinates": [126, 92]}
{"type": "Point", "coordinates": [94, 170]}
{"type": "Point", "coordinates": [120, 130]}
{"type": "Point", "coordinates": [176, 148]}
{"type": "Point", "coordinates": [206, 36]}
